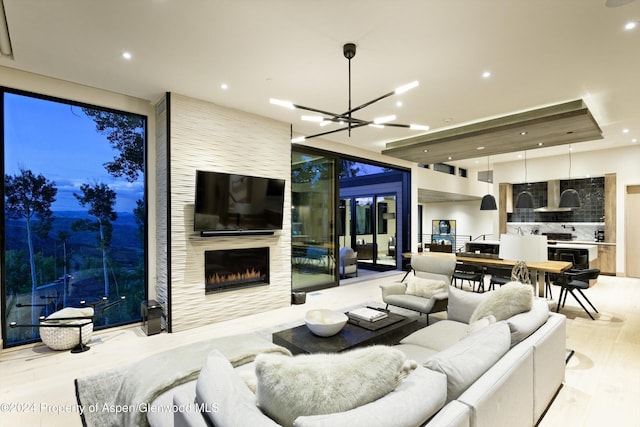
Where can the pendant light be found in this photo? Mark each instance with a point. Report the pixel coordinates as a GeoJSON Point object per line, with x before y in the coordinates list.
{"type": "Point", "coordinates": [488, 201]}
{"type": "Point", "coordinates": [525, 198]}
{"type": "Point", "coordinates": [569, 197]}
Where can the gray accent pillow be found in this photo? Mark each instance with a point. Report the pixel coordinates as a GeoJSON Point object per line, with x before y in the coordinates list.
{"type": "Point", "coordinates": [462, 304]}
{"type": "Point", "coordinates": [227, 400]}
{"type": "Point", "coordinates": [524, 324]}
{"type": "Point", "coordinates": [464, 362]}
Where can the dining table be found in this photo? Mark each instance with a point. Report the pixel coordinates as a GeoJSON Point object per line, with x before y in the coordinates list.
{"type": "Point", "coordinates": [539, 270]}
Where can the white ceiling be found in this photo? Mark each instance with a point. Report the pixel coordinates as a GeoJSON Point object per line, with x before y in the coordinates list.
{"type": "Point", "coordinates": [539, 52]}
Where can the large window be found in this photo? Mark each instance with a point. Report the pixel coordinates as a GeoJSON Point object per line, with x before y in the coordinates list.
{"type": "Point", "coordinates": [74, 211]}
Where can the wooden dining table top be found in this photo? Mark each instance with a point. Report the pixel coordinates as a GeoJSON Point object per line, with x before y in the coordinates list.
{"type": "Point", "coordinates": [545, 266]}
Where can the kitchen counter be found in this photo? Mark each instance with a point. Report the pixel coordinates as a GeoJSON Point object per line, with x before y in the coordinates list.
{"type": "Point", "coordinates": [582, 242]}
{"type": "Point", "coordinates": [491, 246]}
{"type": "Point", "coordinates": [591, 248]}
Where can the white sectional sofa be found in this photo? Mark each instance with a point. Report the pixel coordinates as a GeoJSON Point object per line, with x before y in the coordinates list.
{"type": "Point", "coordinates": [467, 374]}
{"type": "Point", "coordinates": [513, 391]}
{"type": "Point", "coordinates": [497, 374]}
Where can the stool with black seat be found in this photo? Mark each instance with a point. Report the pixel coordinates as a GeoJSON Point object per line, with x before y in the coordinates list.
{"type": "Point", "coordinates": [576, 280]}
{"type": "Point", "coordinates": [472, 273]}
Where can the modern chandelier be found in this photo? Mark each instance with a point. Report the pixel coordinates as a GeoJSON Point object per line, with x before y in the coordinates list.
{"type": "Point", "coordinates": [347, 118]}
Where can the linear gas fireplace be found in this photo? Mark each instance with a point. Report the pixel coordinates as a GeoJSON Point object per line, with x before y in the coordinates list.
{"type": "Point", "coordinates": [235, 268]}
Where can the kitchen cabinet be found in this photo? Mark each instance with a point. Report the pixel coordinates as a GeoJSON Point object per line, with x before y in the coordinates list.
{"type": "Point", "coordinates": [607, 259]}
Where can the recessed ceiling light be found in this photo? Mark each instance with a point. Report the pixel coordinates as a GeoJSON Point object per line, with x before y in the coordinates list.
{"type": "Point", "coordinates": [224, 86]}
{"type": "Point", "coordinates": [486, 74]}
{"type": "Point", "coordinates": [540, 144]}
{"type": "Point", "coordinates": [449, 157]}
{"type": "Point", "coordinates": [523, 133]}
{"type": "Point", "coordinates": [425, 151]}
{"type": "Point", "coordinates": [399, 104]}
{"type": "Point", "coordinates": [630, 25]}
{"type": "Point", "coordinates": [126, 55]}
{"type": "Point", "coordinates": [634, 140]}
{"type": "Point", "coordinates": [480, 148]}
{"type": "Point", "coordinates": [625, 130]}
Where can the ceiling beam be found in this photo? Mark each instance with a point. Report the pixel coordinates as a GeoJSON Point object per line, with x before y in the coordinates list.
{"type": "Point", "coordinates": [566, 123]}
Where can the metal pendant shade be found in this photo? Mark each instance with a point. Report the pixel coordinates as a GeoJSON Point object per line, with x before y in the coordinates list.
{"type": "Point", "coordinates": [569, 199]}
{"type": "Point", "coordinates": [525, 200]}
{"type": "Point", "coordinates": [488, 203]}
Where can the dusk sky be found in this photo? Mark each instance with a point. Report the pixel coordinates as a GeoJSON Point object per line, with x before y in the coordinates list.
{"type": "Point", "coordinates": [60, 142]}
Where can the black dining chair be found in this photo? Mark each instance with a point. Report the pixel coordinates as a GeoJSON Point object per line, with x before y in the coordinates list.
{"type": "Point", "coordinates": [472, 273]}
{"type": "Point", "coordinates": [573, 281]}
{"type": "Point", "coordinates": [499, 276]}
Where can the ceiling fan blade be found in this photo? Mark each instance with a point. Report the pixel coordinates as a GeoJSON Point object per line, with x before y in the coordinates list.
{"type": "Point", "coordinates": [616, 3]}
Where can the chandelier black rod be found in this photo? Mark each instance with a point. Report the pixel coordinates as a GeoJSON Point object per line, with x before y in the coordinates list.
{"type": "Point", "coordinates": [366, 104]}
{"type": "Point", "coordinates": [327, 113]}
{"type": "Point", "coordinates": [352, 126]}
{"type": "Point", "coordinates": [350, 111]}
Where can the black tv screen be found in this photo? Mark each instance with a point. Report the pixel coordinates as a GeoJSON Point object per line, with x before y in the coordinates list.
{"type": "Point", "coordinates": [227, 203]}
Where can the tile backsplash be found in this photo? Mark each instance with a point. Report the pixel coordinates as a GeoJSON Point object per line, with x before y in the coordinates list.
{"type": "Point", "coordinates": [580, 231]}
{"type": "Point", "coordinates": [590, 191]}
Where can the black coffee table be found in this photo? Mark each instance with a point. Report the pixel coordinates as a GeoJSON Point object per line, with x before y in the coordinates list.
{"type": "Point", "coordinates": [301, 340]}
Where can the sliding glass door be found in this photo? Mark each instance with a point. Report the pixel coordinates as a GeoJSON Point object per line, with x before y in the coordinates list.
{"type": "Point", "coordinates": [372, 223]}
{"type": "Point", "coordinates": [312, 215]}
{"type": "Point", "coordinates": [343, 203]}
{"type": "Point", "coordinates": [386, 237]}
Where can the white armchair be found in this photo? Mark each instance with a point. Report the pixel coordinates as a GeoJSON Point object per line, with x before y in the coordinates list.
{"type": "Point", "coordinates": [429, 266]}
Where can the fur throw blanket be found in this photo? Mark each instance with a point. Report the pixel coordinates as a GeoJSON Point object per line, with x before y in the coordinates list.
{"type": "Point", "coordinates": [511, 299]}
{"type": "Point", "coordinates": [289, 387]}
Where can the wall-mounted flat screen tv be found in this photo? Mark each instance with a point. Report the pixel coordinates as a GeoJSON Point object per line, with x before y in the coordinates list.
{"type": "Point", "coordinates": [229, 204]}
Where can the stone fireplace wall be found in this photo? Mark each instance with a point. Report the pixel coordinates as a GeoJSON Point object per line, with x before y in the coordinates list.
{"type": "Point", "coordinates": [210, 137]}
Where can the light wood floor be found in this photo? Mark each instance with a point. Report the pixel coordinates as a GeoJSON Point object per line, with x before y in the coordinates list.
{"type": "Point", "coordinates": [602, 385]}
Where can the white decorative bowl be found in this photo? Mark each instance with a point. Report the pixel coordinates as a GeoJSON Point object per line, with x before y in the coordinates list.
{"type": "Point", "coordinates": [325, 323]}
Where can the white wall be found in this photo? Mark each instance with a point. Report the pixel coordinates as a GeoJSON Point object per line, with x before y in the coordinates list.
{"type": "Point", "coordinates": [470, 220]}
{"type": "Point", "coordinates": [210, 137]}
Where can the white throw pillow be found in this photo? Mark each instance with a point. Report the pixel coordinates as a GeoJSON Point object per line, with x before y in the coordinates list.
{"type": "Point", "coordinates": [465, 361]}
{"type": "Point", "coordinates": [511, 299]}
{"type": "Point", "coordinates": [422, 287]}
{"type": "Point", "coordinates": [314, 384]}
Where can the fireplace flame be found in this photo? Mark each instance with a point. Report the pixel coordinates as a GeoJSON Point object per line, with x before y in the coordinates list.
{"type": "Point", "coordinates": [235, 277]}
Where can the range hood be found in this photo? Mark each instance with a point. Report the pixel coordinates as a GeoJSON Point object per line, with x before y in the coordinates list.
{"type": "Point", "coordinates": [553, 198]}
